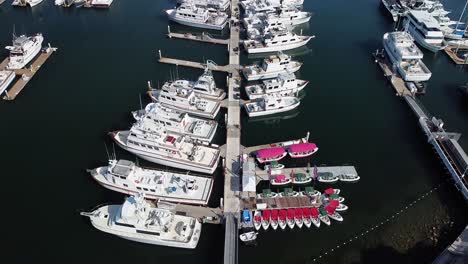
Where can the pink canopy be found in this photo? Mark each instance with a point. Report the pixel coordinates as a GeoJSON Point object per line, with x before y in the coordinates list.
{"type": "Point", "coordinates": [290, 214]}
{"type": "Point", "coordinates": [334, 203]}
{"type": "Point", "coordinates": [280, 178]}
{"type": "Point", "coordinates": [330, 191]}
{"type": "Point", "coordinates": [306, 212]}
{"type": "Point", "coordinates": [298, 212]}
{"type": "Point", "coordinates": [302, 147]}
{"type": "Point", "coordinates": [314, 212]}
{"type": "Point", "coordinates": [274, 215]}
{"type": "Point", "coordinates": [330, 209]}
{"type": "Point", "coordinates": [266, 214]}
{"type": "Point", "coordinates": [282, 214]}
{"type": "Point", "coordinates": [257, 218]}
{"type": "Point", "coordinates": [270, 153]}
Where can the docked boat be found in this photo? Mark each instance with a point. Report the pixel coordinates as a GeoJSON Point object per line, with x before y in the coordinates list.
{"type": "Point", "coordinates": [6, 77]}
{"type": "Point", "coordinates": [302, 150]}
{"type": "Point", "coordinates": [394, 9]}
{"type": "Point", "coordinates": [425, 30]}
{"type": "Point", "coordinates": [341, 207]}
{"type": "Point", "coordinates": [248, 236]}
{"type": "Point", "coordinates": [274, 165]}
{"type": "Point", "coordinates": [247, 219]}
{"type": "Point", "coordinates": [257, 220]}
{"type": "Point", "coordinates": [282, 222]}
{"type": "Point", "coordinates": [266, 218]}
{"type": "Point", "coordinates": [298, 217]}
{"type": "Point", "coordinates": [168, 149]}
{"type": "Point", "coordinates": [258, 6]}
{"type": "Point", "coordinates": [267, 193]}
{"type": "Point", "coordinates": [283, 85]}
{"type": "Point", "coordinates": [349, 177]}
{"type": "Point", "coordinates": [333, 196]}
{"type": "Point", "coordinates": [271, 67]}
{"type": "Point", "coordinates": [290, 218]}
{"type": "Point", "coordinates": [190, 15]}
{"type": "Point", "coordinates": [101, 3]}
{"type": "Point", "coordinates": [323, 216]}
{"type": "Point", "coordinates": [300, 178]}
{"type": "Point", "coordinates": [139, 220]}
{"type": "Point", "coordinates": [280, 180]}
{"type": "Point", "coordinates": [327, 177]}
{"type": "Point", "coordinates": [335, 216]}
{"type": "Point", "coordinates": [125, 177]}
{"type": "Point", "coordinates": [215, 4]}
{"type": "Point", "coordinates": [270, 154]}
{"type": "Point", "coordinates": [407, 57]}
{"type": "Point", "coordinates": [288, 192]}
{"type": "Point", "coordinates": [31, 3]}
{"type": "Point", "coordinates": [310, 191]}
{"type": "Point", "coordinates": [156, 117]}
{"type": "Point", "coordinates": [314, 216]}
{"type": "Point", "coordinates": [274, 219]}
{"type": "Point", "coordinates": [269, 105]}
{"type": "Point", "coordinates": [306, 217]}
{"type": "Point", "coordinates": [285, 16]}
{"type": "Point", "coordinates": [24, 49]}
{"type": "Point", "coordinates": [276, 39]}
{"type": "Point", "coordinates": [185, 100]}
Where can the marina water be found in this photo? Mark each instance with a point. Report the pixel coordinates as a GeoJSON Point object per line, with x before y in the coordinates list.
{"type": "Point", "coordinates": [57, 128]}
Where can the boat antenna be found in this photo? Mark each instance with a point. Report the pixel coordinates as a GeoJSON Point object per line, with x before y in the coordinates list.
{"type": "Point", "coordinates": [113, 148]}
{"type": "Point", "coordinates": [14, 32]}
{"type": "Point", "coordinates": [141, 105]}
{"type": "Point", "coordinates": [107, 151]}
{"type": "Point", "coordinates": [137, 162]}
{"type": "Point", "coordinates": [461, 16]}
{"type": "Point", "coordinates": [177, 68]}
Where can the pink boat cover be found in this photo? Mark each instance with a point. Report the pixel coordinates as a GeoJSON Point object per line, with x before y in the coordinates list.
{"type": "Point", "coordinates": [274, 215]}
{"type": "Point", "coordinates": [334, 203]}
{"type": "Point", "coordinates": [280, 178]}
{"type": "Point", "coordinates": [298, 212]}
{"type": "Point", "coordinates": [330, 209]}
{"type": "Point", "coordinates": [257, 218]}
{"type": "Point", "coordinates": [282, 214]}
{"type": "Point", "coordinates": [302, 147]}
{"type": "Point", "coordinates": [270, 152]}
{"type": "Point", "coordinates": [266, 214]}
{"type": "Point", "coordinates": [329, 191]}
{"type": "Point", "coordinates": [314, 212]}
{"type": "Point", "coordinates": [306, 212]}
{"type": "Point", "coordinates": [290, 213]}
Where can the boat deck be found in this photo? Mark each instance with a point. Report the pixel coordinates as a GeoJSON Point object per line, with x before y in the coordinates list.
{"type": "Point", "coordinates": [204, 37]}
{"type": "Point", "coordinates": [25, 74]}
{"type": "Point", "coordinates": [451, 52]}
{"type": "Point", "coordinates": [395, 79]}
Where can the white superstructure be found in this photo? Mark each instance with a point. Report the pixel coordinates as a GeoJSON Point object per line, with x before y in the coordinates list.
{"type": "Point", "coordinates": [156, 117]}
{"type": "Point", "coordinates": [425, 30]}
{"type": "Point", "coordinates": [168, 149]}
{"type": "Point", "coordinates": [216, 4]}
{"type": "Point", "coordinates": [285, 16]}
{"type": "Point", "coordinates": [191, 15]}
{"type": "Point", "coordinates": [283, 85]}
{"type": "Point", "coordinates": [269, 105]}
{"type": "Point", "coordinates": [185, 100]}
{"type": "Point", "coordinates": [125, 177]}
{"type": "Point", "coordinates": [275, 39]}
{"type": "Point", "coordinates": [140, 221]}
{"type": "Point", "coordinates": [6, 77]}
{"type": "Point", "coordinates": [406, 56]}
{"type": "Point", "coordinates": [24, 49]}
{"type": "Point", "coordinates": [26, 2]}
{"type": "Point", "coordinates": [271, 67]}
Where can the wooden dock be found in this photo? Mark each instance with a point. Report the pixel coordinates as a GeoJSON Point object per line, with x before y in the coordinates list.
{"type": "Point", "coordinates": [193, 64]}
{"type": "Point", "coordinates": [395, 79]}
{"type": "Point", "coordinates": [451, 52]}
{"type": "Point", "coordinates": [25, 74]}
{"type": "Point", "coordinates": [204, 37]}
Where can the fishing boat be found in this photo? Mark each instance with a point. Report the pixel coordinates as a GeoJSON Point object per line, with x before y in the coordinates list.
{"type": "Point", "coordinates": [6, 77]}
{"type": "Point", "coordinates": [24, 49]}
{"type": "Point", "coordinates": [222, 5]}
{"type": "Point", "coordinates": [266, 218]}
{"type": "Point", "coordinates": [270, 154]}
{"type": "Point", "coordinates": [248, 236]}
{"type": "Point", "coordinates": [324, 216]}
{"type": "Point", "coordinates": [302, 150]}
{"type": "Point", "coordinates": [290, 219]}
{"type": "Point", "coordinates": [271, 67]}
{"type": "Point", "coordinates": [282, 222]}
{"type": "Point", "coordinates": [327, 177]}
{"type": "Point", "coordinates": [306, 217]}
{"type": "Point", "coordinates": [280, 180]}
{"type": "Point", "coordinates": [274, 219]}
{"type": "Point", "coordinates": [141, 221]}
{"type": "Point", "coordinates": [267, 193]}
{"type": "Point", "coordinates": [314, 216]}
{"type": "Point", "coordinates": [190, 15]}
{"type": "Point", "coordinates": [298, 217]}
{"type": "Point", "coordinates": [274, 40]}
{"type": "Point", "coordinates": [257, 219]}
{"type": "Point", "coordinates": [125, 177]}
{"type": "Point", "coordinates": [300, 178]}
{"type": "Point", "coordinates": [349, 177]}
{"type": "Point", "coordinates": [270, 105]}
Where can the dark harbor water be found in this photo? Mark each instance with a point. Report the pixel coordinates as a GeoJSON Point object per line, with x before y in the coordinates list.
{"type": "Point", "coordinates": [57, 128]}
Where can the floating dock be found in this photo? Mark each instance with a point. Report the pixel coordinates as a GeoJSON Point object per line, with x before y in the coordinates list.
{"type": "Point", "coordinates": [395, 79]}
{"type": "Point", "coordinates": [193, 64]}
{"type": "Point", "coordinates": [452, 52]}
{"type": "Point", "coordinates": [25, 74]}
{"type": "Point", "coordinates": [204, 37]}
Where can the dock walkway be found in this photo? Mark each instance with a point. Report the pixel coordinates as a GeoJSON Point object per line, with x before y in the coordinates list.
{"type": "Point", "coordinates": [193, 64]}
{"type": "Point", "coordinates": [451, 52]}
{"type": "Point", "coordinates": [395, 79]}
{"type": "Point", "coordinates": [204, 37]}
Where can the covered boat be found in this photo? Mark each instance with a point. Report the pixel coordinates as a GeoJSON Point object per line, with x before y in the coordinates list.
{"type": "Point", "coordinates": [349, 177]}
{"type": "Point", "coordinates": [266, 214]}
{"type": "Point", "coordinates": [290, 219]}
{"type": "Point", "coordinates": [327, 177]}
{"type": "Point", "coordinates": [298, 217]}
{"type": "Point", "coordinates": [310, 191]}
{"type": "Point", "coordinates": [288, 192]}
{"type": "Point", "coordinates": [267, 193]}
{"type": "Point", "coordinates": [302, 150]}
{"type": "Point", "coordinates": [314, 216]}
{"type": "Point", "coordinates": [306, 217]}
{"type": "Point", "coordinates": [324, 216]}
{"type": "Point", "coordinates": [280, 180]}
{"type": "Point", "coordinates": [247, 217]}
{"type": "Point", "coordinates": [331, 210]}
{"type": "Point", "coordinates": [334, 196]}
{"type": "Point", "coordinates": [282, 219]}
{"type": "Point", "coordinates": [270, 154]}
{"type": "Point", "coordinates": [274, 165]}
{"type": "Point", "coordinates": [274, 219]}
{"type": "Point", "coordinates": [257, 220]}
{"type": "Point", "coordinates": [300, 178]}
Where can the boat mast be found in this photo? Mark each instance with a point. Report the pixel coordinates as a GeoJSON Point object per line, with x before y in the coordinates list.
{"type": "Point", "coordinates": [461, 16]}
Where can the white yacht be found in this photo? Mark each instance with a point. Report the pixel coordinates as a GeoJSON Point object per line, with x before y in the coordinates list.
{"type": "Point", "coordinates": [24, 49]}
{"type": "Point", "coordinates": [31, 3]}
{"type": "Point", "coordinates": [406, 56]}
{"type": "Point", "coordinates": [283, 85]}
{"type": "Point", "coordinates": [101, 3]}
{"type": "Point", "coordinates": [425, 30]}
{"type": "Point", "coordinates": [276, 39]}
{"type": "Point", "coordinates": [157, 117]}
{"type": "Point", "coordinates": [269, 105]}
{"type": "Point", "coordinates": [204, 86]}
{"type": "Point", "coordinates": [125, 177]}
{"type": "Point", "coordinates": [6, 77]}
{"type": "Point", "coordinates": [168, 149]}
{"type": "Point", "coordinates": [285, 16]}
{"type": "Point", "coordinates": [258, 6]}
{"type": "Point", "coordinates": [190, 15]}
{"type": "Point", "coordinates": [140, 221]}
{"type": "Point", "coordinates": [216, 4]}
{"type": "Point", "coordinates": [186, 100]}
{"type": "Point", "coordinates": [271, 67]}
{"type": "Point", "coordinates": [393, 8]}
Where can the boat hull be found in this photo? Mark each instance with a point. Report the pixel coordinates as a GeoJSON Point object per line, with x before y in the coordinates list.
{"type": "Point", "coordinates": [270, 75]}
{"type": "Point", "coordinates": [422, 41]}
{"type": "Point", "coordinates": [171, 15]}
{"type": "Point", "coordinates": [15, 65]}
{"type": "Point", "coordinates": [274, 111]}
{"type": "Point", "coordinates": [279, 48]}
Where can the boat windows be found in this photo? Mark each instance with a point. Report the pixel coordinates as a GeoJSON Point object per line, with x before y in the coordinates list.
{"type": "Point", "coordinates": [153, 190]}
{"type": "Point", "coordinates": [125, 185]}
{"type": "Point", "coordinates": [138, 188]}
{"type": "Point", "coordinates": [126, 225]}
{"type": "Point", "coordinates": [147, 232]}
{"type": "Point", "coordinates": [145, 189]}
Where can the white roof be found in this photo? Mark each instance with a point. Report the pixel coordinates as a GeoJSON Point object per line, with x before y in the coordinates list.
{"type": "Point", "coordinates": [426, 18]}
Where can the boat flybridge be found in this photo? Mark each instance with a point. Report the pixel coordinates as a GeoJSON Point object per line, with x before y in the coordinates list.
{"type": "Point", "coordinates": [169, 149]}
{"type": "Point", "coordinates": [269, 105]}
{"type": "Point", "coordinates": [425, 30]}
{"type": "Point", "coordinates": [271, 67]}
{"type": "Point", "coordinates": [141, 221]}
{"type": "Point", "coordinates": [125, 177]}
{"type": "Point", "coordinates": [406, 56]}
{"type": "Point", "coordinates": [283, 85]}
{"type": "Point", "coordinates": [183, 99]}
{"type": "Point", "coordinates": [158, 117]}
{"type": "Point", "coordinates": [215, 4]}
{"type": "Point", "coordinates": [274, 40]}
{"type": "Point", "coordinates": [286, 16]}
{"type": "Point", "coordinates": [190, 15]}
{"type": "Point", "coordinates": [24, 49]}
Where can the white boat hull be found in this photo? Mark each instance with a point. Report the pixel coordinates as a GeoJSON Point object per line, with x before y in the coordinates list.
{"type": "Point", "coordinates": [171, 15]}
{"type": "Point", "coordinates": [273, 111]}
{"type": "Point", "coordinates": [316, 222]}
{"type": "Point", "coordinates": [290, 223]}
{"type": "Point", "coordinates": [279, 47]}
{"type": "Point", "coordinates": [422, 41]}
{"type": "Point", "coordinates": [282, 224]}
{"type": "Point", "coordinates": [19, 64]}
{"type": "Point", "coordinates": [274, 225]}
{"type": "Point", "coordinates": [271, 75]}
